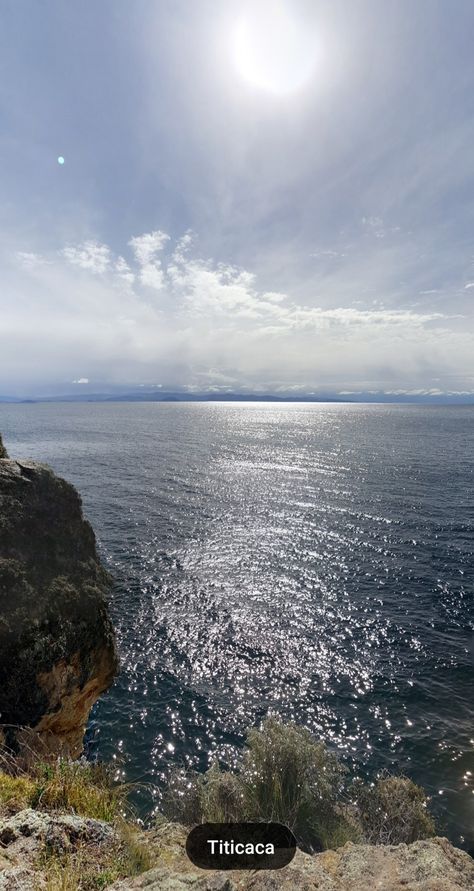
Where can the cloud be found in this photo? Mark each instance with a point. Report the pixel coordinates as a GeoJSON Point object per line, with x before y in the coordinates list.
{"type": "Point", "coordinates": [433, 391]}
{"type": "Point", "coordinates": [91, 256]}
{"type": "Point", "coordinates": [30, 260]}
{"type": "Point", "coordinates": [145, 248]}
{"type": "Point", "coordinates": [152, 276]}
{"type": "Point", "coordinates": [191, 321]}
{"type": "Point", "coordinates": [123, 270]}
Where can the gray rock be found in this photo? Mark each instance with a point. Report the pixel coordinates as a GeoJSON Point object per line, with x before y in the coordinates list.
{"type": "Point", "coordinates": [40, 825]}
{"type": "Point", "coordinates": [162, 879]}
{"type": "Point", "coordinates": [432, 865]}
{"type": "Point", "coordinates": [21, 879]}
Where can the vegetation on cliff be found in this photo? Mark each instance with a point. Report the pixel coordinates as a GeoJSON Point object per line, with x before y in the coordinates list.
{"type": "Point", "coordinates": [62, 829]}
{"type": "Point", "coordinates": [286, 775]}
{"type": "Point", "coordinates": [80, 829]}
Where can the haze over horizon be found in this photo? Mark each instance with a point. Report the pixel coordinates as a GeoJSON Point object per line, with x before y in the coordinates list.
{"type": "Point", "coordinates": [247, 197]}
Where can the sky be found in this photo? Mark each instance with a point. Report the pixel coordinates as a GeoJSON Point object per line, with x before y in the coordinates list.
{"type": "Point", "coordinates": [258, 196]}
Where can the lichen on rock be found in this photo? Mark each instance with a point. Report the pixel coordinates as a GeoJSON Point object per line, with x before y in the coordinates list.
{"type": "Point", "coordinates": [31, 841]}
{"type": "Point", "coordinates": [57, 645]}
{"type": "Point", "coordinates": [428, 865]}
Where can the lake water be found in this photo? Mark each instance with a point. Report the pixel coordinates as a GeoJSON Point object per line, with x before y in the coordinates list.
{"type": "Point", "coordinates": [311, 560]}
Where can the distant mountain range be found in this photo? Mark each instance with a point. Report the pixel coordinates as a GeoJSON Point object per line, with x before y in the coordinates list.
{"type": "Point", "coordinates": [162, 396]}
{"type": "Point", "coordinates": [155, 395]}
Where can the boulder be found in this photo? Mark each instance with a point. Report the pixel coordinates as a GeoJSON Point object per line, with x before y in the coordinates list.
{"type": "Point", "coordinates": [46, 827]}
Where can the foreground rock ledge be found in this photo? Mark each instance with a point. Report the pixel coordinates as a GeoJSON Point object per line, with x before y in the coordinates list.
{"type": "Point", "coordinates": [57, 645]}
{"type": "Point", "coordinates": [432, 865]}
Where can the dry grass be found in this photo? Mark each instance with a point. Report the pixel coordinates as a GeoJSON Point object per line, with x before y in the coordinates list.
{"type": "Point", "coordinates": [16, 793]}
{"type": "Point", "coordinates": [91, 869]}
{"type": "Point", "coordinates": [71, 786]}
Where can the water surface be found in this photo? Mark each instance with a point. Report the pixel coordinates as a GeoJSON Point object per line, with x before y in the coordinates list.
{"type": "Point", "coordinates": [313, 560]}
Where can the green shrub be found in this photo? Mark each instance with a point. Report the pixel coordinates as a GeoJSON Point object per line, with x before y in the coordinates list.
{"type": "Point", "coordinates": [285, 775]}
{"type": "Point", "coordinates": [290, 777]}
{"type": "Point", "coordinates": [393, 810]}
{"type": "Point", "coordinates": [216, 796]}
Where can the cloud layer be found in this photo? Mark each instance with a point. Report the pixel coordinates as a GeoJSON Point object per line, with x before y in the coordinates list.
{"type": "Point", "coordinates": [159, 312]}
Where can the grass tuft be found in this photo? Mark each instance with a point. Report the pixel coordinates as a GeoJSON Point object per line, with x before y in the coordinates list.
{"type": "Point", "coordinates": [72, 786]}
{"type": "Point", "coordinates": [84, 788]}
{"type": "Point", "coordinates": [16, 793]}
{"type": "Point", "coordinates": [88, 869]}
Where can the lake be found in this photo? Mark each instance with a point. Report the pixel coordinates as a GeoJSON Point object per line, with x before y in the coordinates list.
{"type": "Point", "coordinates": [314, 560]}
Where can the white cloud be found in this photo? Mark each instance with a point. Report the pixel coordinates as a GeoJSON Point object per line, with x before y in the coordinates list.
{"type": "Point", "coordinates": [317, 255]}
{"type": "Point", "coordinates": [91, 256]}
{"type": "Point", "coordinates": [30, 260]}
{"type": "Point", "coordinates": [377, 227]}
{"type": "Point", "coordinates": [147, 246]}
{"type": "Point", "coordinates": [123, 270]}
{"type": "Point", "coordinates": [81, 380]}
{"type": "Point", "coordinates": [151, 275]}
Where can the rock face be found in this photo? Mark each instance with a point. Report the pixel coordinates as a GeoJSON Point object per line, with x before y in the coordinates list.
{"type": "Point", "coordinates": [57, 646]}
{"type": "Point", "coordinates": [432, 865]}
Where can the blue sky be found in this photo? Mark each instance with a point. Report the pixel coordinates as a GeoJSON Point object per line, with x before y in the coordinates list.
{"type": "Point", "coordinates": [255, 195]}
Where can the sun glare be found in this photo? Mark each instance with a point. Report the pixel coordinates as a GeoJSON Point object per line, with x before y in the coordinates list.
{"type": "Point", "coordinates": [273, 50]}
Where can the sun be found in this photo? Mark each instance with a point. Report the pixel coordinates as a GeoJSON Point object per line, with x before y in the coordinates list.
{"type": "Point", "coordinates": [272, 50]}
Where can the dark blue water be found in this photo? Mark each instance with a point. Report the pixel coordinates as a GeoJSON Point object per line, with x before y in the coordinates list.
{"type": "Point", "coordinates": [314, 560]}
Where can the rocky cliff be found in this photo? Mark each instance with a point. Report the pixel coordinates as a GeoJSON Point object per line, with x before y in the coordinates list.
{"type": "Point", "coordinates": [430, 865]}
{"type": "Point", "coordinates": [57, 647]}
